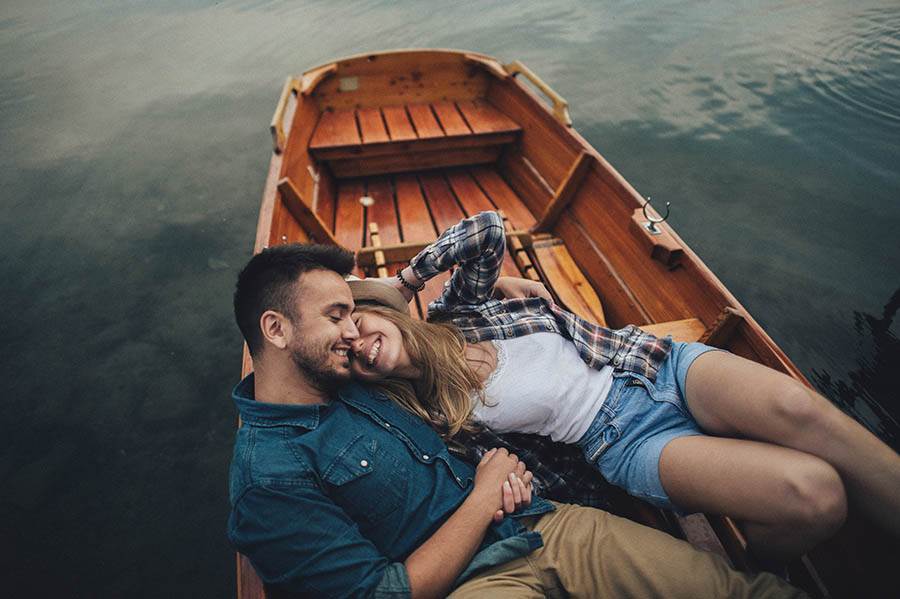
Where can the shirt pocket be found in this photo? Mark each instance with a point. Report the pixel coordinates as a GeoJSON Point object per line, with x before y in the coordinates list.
{"type": "Point", "coordinates": [367, 481]}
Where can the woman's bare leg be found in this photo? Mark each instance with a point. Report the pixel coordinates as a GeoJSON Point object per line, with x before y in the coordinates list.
{"type": "Point", "coordinates": [729, 395]}
{"type": "Point", "coordinates": [787, 500]}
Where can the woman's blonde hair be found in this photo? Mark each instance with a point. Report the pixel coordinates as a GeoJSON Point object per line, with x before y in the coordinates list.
{"type": "Point", "coordinates": [443, 394]}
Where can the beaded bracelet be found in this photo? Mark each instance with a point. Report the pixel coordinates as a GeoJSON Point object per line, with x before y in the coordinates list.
{"type": "Point", "coordinates": [407, 284]}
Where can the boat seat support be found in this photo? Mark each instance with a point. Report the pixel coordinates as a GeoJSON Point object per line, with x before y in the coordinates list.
{"type": "Point", "coordinates": [565, 192]}
{"type": "Point", "coordinates": [301, 211]}
{"type": "Point", "coordinates": [391, 139]}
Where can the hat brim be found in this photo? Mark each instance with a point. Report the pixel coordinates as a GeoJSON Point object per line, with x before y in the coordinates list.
{"type": "Point", "coordinates": [366, 291]}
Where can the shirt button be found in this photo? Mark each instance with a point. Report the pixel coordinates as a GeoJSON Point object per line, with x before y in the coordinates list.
{"type": "Point", "coordinates": [364, 463]}
{"type": "Point", "coordinates": [386, 425]}
{"type": "Point", "coordinates": [424, 457]}
{"type": "Point", "coordinates": [617, 360]}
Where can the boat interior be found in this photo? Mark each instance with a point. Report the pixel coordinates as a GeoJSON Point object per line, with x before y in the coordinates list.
{"type": "Point", "coordinates": [381, 153]}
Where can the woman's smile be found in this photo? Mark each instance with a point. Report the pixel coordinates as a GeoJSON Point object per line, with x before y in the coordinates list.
{"type": "Point", "coordinates": [374, 351]}
{"type": "Point", "coordinates": [379, 351]}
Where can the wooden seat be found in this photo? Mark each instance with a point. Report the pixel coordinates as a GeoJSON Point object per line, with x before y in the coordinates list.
{"type": "Point", "coordinates": [567, 281]}
{"type": "Point", "coordinates": [390, 139]}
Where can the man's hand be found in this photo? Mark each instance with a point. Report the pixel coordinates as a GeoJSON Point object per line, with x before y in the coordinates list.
{"type": "Point", "coordinates": [514, 287]}
{"type": "Point", "coordinates": [502, 483]}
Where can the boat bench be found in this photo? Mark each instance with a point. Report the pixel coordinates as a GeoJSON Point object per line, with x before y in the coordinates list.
{"type": "Point", "coordinates": [393, 139]}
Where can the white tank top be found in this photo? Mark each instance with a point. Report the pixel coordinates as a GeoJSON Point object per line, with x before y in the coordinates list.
{"type": "Point", "coordinates": [541, 385]}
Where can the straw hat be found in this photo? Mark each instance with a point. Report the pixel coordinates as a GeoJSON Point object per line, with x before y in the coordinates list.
{"type": "Point", "coordinates": [379, 293]}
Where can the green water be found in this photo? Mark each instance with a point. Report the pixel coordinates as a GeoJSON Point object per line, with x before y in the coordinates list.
{"type": "Point", "coordinates": [134, 149]}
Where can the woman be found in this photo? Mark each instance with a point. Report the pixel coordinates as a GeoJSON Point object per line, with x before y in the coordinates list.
{"type": "Point", "coordinates": [683, 426]}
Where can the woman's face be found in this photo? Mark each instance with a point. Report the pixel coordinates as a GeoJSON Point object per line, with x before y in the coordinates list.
{"type": "Point", "coordinates": [379, 351]}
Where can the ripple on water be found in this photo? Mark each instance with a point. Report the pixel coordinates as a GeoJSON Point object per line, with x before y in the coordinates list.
{"type": "Point", "coordinates": [860, 67]}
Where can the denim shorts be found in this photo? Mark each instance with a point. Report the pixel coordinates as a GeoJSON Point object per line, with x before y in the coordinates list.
{"type": "Point", "coordinates": [637, 420]}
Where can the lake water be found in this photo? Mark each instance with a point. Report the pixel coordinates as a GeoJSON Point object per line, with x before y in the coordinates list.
{"type": "Point", "coordinates": [134, 149]}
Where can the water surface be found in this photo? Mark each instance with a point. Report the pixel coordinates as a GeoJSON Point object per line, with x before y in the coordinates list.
{"type": "Point", "coordinates": [134, 149]}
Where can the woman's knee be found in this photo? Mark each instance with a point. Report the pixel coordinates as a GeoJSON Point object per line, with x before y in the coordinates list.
{"type": "Point", "coordinates": [801, 409]}
{"type": "Point", "coordinates": [814, 496]}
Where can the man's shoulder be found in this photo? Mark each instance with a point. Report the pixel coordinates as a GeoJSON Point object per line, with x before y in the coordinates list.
{"type": "Point", "coordinates": [268, 457]}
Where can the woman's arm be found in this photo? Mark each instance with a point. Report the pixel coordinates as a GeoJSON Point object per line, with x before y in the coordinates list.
{"type": "Point", "coordinates": [476, 245]}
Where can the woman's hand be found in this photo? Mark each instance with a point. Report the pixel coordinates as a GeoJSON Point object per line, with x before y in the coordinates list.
{"type": "Point", "coordinates": [514, 287]}
{"type": "Point", "coordinates": [517, 492]}
{"type": "Point", "coordinates": [502, 482]}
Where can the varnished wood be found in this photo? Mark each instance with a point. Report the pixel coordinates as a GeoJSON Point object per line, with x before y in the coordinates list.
{"type": "Point", "coordinates": [525, 180]}
{"type": "Point", "coordinates": [424, 121]}
{"type": "Point", "coordinates": [371, 126]}
{"type": "Point", "coordinates": [451, 120]}
{"type": "Point", "coordinates": [399, 125]}
{"type": "Point", "coordinates": [336, 129]}
{"type": "Point", "coordinates": [503, 197]}
{"type": "Point", "coordinates": [491, 65]}
{"type": "Point", "coordinates": [723, 328]}
{"type": "Point", "coordinates": [662, 246]}
{"type": "Point", "coordinates": [411, 146]}
{"type": "Point", "coordinates": [473, 200]}
{"type": "Point", "coordinates": [517, 249]}
{"type": "Point", "coordinates": [560, 106]}
{"type": "Point", "coordinates": [378, 255]}
{"type": "Point", "coordinates": [376, 165]}
{"type": "Point", "coordinates": [403, 77]}
{"type": "Point", "coordinates": [382, 210]}
{"type": "Point", "coordinates": [687, 330]}
{"type": "Point", "coordinates": [565, 192]}
{"type": "Point", "coordinates": [573, 289]}
{"type": "Point", "coordinates": [546, 144]}
{"type": "Point", "coordinates": [298, 165]}
{"type": "Point", "coordinates": [305, 216]}
{"type": "Point", "coordinates": [412, 211]}
{"type": "Point", "coordinates": [277, 125]}
{"type": "Point", "coordinates": [484, 118]}
{"type": "Point", "coordinates": [348, 228]}
{"type": "Point", "coordinates": [312, 79]}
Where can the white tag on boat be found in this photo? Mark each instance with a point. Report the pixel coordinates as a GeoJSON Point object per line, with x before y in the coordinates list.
{"type": "Point", "coordinates": [348, 84]}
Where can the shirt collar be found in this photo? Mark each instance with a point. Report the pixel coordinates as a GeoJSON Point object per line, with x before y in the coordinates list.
{"type": "Point", "coordinates": [259, 413]}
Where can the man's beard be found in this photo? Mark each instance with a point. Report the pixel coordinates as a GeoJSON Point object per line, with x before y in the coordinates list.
{"type": "Point", "coordinates": [314, 364]}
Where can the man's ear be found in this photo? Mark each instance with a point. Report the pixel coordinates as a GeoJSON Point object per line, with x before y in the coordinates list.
{"type": "Point", "coordinates": [276, 328]}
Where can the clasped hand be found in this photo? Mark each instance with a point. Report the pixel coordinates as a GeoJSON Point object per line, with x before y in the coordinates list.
{"type": "Point", "coordinates": [504, 482]}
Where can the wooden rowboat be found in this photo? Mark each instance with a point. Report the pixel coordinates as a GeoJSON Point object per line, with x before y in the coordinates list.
{"type": "Point", "coordinates": [381, 152]}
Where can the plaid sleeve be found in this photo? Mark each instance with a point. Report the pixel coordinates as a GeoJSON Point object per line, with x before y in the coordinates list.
{"type": "Point", "coordinates": [475, 244]}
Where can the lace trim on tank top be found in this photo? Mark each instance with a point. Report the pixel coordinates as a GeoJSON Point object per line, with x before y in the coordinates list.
{"type": "Point", "coordinates": [501, 363]}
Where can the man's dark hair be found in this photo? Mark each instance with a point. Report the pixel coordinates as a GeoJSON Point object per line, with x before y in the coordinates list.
{"type": "Point", "coordinates": [267, 282]}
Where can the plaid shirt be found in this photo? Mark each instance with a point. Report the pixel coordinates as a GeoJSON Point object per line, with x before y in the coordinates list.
{"type": "Point", "coordinates": [477, 245]}
{"type": "Point", "coordinates": [560, 471]}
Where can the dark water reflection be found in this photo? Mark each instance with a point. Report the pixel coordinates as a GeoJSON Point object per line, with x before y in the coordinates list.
{"type": "Point", "coordinates": [134, 151]}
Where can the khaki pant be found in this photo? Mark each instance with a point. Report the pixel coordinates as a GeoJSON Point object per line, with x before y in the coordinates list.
{"type": "Point", "coordinates": [590, 553]}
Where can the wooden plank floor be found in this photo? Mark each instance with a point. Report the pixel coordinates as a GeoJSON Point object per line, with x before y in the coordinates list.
{"type": "Point", "coordinates": [363, 126]}
{"type": "Point", "coordinates": [419, 207]}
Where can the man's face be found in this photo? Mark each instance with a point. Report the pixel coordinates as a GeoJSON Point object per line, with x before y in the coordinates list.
{"type": "Point", "coordinates": [322, 328]}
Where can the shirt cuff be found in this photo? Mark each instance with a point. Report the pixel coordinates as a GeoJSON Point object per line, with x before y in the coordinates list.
{"type": "Point", "coordinates": [394, 583]}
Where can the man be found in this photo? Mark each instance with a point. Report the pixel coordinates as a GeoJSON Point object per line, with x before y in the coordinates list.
{"type": "Point", "coordinates": [338, 492]}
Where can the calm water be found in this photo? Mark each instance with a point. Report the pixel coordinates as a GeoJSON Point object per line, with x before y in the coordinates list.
{"type": "Point", "coordinates": [134, 148]}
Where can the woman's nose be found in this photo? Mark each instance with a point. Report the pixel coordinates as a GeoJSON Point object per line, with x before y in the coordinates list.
{"type": "Point", "coordinates": [357, 345]}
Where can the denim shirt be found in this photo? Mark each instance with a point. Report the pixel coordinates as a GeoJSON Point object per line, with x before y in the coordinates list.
{"type": "Point", "coordinates": [330, 499]}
